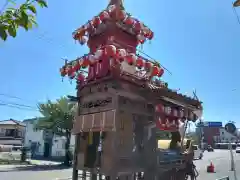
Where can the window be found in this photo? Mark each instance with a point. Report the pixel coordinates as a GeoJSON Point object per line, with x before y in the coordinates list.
{"type": "Point", "coordinates": [195, 147]}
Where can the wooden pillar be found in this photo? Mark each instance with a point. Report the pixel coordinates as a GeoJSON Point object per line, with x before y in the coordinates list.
{"type": "Point", "coordinates": [75, 158]}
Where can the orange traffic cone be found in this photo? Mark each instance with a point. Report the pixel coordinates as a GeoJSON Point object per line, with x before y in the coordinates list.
{"type": "Point", "coordinates": [211, 168]}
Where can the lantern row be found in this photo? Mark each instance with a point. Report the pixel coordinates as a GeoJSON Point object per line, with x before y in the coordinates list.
{"type": "Point", "coordinates": [173, 112]}
{"type": "Point", "coordinates": [110, 51]}
{"type": "Point", "coordinates": [113, 13]}
{"type": "Point", "coordinates": [167, 125]}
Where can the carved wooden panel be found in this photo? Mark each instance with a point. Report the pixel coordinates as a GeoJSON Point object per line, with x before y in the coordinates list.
{"type": "Point", "coordinates": [102, 121]}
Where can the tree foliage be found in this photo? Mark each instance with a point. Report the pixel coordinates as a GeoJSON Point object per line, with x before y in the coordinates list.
{"type": "Point", "coordinates": [57, 116]}
{"type": "Point", "coordinates": [23, 16]}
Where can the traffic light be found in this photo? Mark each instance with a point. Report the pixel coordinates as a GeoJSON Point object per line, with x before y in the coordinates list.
{"type": "Point", "coordinates": [230, 127]}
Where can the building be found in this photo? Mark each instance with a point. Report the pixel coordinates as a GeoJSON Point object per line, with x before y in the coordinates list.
{"type": "Point", "coordinates": [214, 132]}
{"type": "Point", "coordinates": [12, 132]}
{"type": "Point", "coordinates": [43, 143]}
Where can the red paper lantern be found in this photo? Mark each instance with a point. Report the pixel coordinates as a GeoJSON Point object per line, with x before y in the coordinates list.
{"type": "Point", "coordinates": [110, 50]}
{"type": "Point", "coordinates": [150, 35]}
{"type": "Point", "coordinates": [148, 66]}
{"type": "Point", "coordinates": [72, 75]}
{"type": "Point", "coordinates": [121, 15]}
{"type": "Point", "coordinates": [139, 62]}
{"type": "Point", "coordinates": [121, 54]}
{"type": "Point", "coordinates": [92, 59]}
{"type": "Point", "coordinates": [63, 71]}
{"type": "Point", "coordinates": [159, 108]}
{"type": "Point", "coordinates": [112, 10]}
{"type": "Point", "coordinates": [137, 27]}
{"type": "Point", "coordinates": [69, 70]}
{"type": "Point", "coordinates": [129, 21]}
{"type": "Point", "coordinates": [80, 77]}
{"type": "Point", "coordinates": [155, 71]}
{"type": "Point", "coordinates": [85, 62]}
{"type": "Point", "coordinates": [131, 58]}
{"type": "Point", "coordinates": [77, 66]}
{"type": "Point", "coordinates": [96, 21]}
{"type": "Point", "coordinates": [104, 16]}
{"type": "Point", "coordinates": [161, 72]}
{"type": "Point", "coordinates": [174, 112]}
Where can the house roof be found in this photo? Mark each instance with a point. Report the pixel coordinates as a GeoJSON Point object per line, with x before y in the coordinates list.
{"type": "Point", "coordinates": [11, 122]}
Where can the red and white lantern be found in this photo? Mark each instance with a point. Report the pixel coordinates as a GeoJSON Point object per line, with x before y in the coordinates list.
{"type": "Point", "coordinates": [96, 21]}
{"type": "Point", "coordinates": [77, 66]}
{"type": "Point", "coordinates": [98, 54]}
{"type": "Point", "coordinates": [104, 16]}
{"type": "Point", "coordinates": [137, 27]}
{"type": "Point", "coordinates": [85, 62]}
{"type": "Point", "coordinates": [161, 72]}
{"type": "Point", "coordinates": [167, 110]}
{"type": "Point", "coordinates": [148, 66]}
{"type": "Point", "coordinates": [82, 39]}
{"type": "Point", "coordinates": [139, 63]}
{"type": "Point", "coordinates": [131, 58]}
{"type": "Point", "coordinates": [121, 54]}
{"type": "Point", "coordinates": [121, 15]}
{"type": "Point", "coordinates": [159, 108]}
{"type": "Point", "coordinates": [92, 59]}
{"type": "Point", "coordinates": [112, 9]}
{"type": "Point", "coordinates": [155, 71]}
{"type": "Point", "coordinates": [174, 112]}
{"type": "Point", "coordinates": [129, 21]}
{"type": "Point", "coordinates": [80, 77]}
{"type": "Point", "coordinates": [141, 38]}
{"type": "Point", "coordinates": [110, 50]}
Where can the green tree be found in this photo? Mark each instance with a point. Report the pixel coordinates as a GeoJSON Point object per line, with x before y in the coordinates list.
{"type": "Point", "coordinates": [58, 116]}
{"type": "Point", "coordinates": [23, 16]}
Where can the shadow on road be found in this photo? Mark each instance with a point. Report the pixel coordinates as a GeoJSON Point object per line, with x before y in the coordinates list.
{"type": "Point", "coordinates": [36, 168]}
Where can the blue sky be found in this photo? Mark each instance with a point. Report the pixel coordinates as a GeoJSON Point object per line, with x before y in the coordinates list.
{"type": "Point", "coordinates": [198, 41]}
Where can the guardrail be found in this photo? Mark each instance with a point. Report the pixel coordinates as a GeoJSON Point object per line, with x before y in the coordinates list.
{"type": "Point", "coordinates": [224, 178]}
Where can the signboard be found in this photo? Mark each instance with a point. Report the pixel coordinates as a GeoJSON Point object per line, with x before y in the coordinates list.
{"type": "Point", "coordinates": [210, 124]}
{"type": "Point", "coordinates": [214, 124]}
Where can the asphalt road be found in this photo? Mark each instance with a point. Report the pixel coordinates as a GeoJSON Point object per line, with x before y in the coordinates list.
{"type": "Point", "coordinates": [220, 159]}
{"type": "Point", "coordinates": [221, 162]}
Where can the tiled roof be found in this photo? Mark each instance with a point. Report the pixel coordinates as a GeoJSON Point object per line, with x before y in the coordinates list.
{"type": "Point", "coordinates": [11, 122]}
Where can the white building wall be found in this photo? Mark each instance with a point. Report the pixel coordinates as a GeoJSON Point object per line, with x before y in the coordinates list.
{"type": "Point", "coordinates": [226, 137]}
{"type": "Point", "coordinates": [58, 148]}
{"type": "Point", "coordinates": [34, 136]}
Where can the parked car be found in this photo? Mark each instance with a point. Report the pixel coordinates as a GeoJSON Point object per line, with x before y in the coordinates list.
{"type": "Point", "coordinates": [198, 153]}
{"type": "Point", "coordinates": [238, 149]}
{"type": "Point", "coordinates": [210, 148]}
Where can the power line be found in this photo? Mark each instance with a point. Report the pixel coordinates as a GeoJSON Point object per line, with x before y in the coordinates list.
{"type": "Point", "coordinates": [16, 104]}
{"type": "Point", "coordinates": [17, 107]}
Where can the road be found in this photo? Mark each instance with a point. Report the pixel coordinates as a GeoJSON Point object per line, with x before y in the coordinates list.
{"type": "Point", "coordinates": [220, 159]}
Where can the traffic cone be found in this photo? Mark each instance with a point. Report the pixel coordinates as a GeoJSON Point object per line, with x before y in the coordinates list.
{"type": "Point", "coordinates": [211, 168]}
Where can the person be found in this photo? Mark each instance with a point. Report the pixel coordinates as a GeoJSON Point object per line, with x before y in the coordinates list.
{"type": "Point", "coordinates": [175, 141]}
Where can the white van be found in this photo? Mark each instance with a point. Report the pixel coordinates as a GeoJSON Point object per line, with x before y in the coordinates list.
{"type": "Point", "coordinates": [198, 153]}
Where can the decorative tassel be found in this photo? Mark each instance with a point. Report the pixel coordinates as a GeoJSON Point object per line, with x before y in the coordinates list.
{"type": "Point", "coordinates": [90, 138]}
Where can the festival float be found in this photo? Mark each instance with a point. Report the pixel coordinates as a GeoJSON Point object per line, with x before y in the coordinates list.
{"type": "Point", "coordinates": [122, 100]}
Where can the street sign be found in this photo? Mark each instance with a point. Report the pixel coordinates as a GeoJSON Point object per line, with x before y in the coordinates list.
{"type": "Point", "coordinates": [214, 124]}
